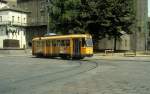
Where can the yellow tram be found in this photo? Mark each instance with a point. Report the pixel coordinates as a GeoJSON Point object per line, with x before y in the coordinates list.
{"type": "Point", "coordinates": [75, 46]}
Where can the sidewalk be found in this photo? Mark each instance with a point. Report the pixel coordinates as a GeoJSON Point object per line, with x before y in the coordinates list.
{"type": "Point", "coordinates": [22, 52]}
{"type": "Point", "coordinates": [96, 56]}
{"type": "Point", "coordinates": [120, 56]}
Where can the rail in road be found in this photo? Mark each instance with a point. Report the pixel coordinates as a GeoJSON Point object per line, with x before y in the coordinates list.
{"type": "Point", "coordinates": [29, 83]}
{"type": "Point", "coordinates": [83, 67]}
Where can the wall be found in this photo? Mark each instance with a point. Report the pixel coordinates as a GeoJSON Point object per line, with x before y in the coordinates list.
{"type": "Point", "coordinates": [141, 30]}
{"type": "Point", "coordinates": [12, 2]}
{"type": "Point", "coordinates": [122, 44]}
{"type": "Point", "coordinates": [38, 15]}
{"type": "Point", "coordinates": [13, 29]}
{"type": "Point", "coordinates": [19, 18]}
{"type": "Point", "coordinates": [37, 19]}
{"type": "Point", "coordinates": [2, 5]}
{"type": "Point", "coordinates": [19, 34]}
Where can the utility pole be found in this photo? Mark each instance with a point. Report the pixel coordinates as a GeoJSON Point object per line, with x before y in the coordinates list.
{"type": "Point", "coordinates": [135, 28]}
{"type": "Point", "coordinates": [48, 18]}
{"type": "Point", "coordinates": [146, 27]}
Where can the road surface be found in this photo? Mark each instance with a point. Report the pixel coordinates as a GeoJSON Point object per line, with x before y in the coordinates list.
{"type": "Point", "coordinates": [30, 75]}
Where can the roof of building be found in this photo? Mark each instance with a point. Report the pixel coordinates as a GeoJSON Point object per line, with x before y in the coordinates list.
{"type": "Point", "coordinates": [3, 1]}
{"type": "Point", "coordinates": [16, 9]}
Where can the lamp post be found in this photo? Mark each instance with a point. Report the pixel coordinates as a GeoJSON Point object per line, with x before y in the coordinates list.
{"type": "Point", "coordinates": [145, 29]}
{"type": "Point", "coordinates": [48, 22]}
{"type": "Point", "coordinates": [135, 41]}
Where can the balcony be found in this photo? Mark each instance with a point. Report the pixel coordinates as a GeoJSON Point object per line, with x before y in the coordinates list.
{"type": "Point", "coordinates": [5, 22]}
{"type": "Point", "coordinates": [35, 23]}
{"type": "Point", "coordinates": [18, 24]}
{"type": "Point", "coordinates": [12, 23]}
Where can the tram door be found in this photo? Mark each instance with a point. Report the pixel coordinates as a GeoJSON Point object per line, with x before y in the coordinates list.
{"type": "Point", "coordinates": [76, 47]}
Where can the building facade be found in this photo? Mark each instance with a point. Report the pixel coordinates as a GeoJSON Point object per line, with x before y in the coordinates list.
{"type": "Point", "coordinates": [12, 3]}
{"type": "Point", "coordinates": [13, 24]}
{"type": "Point", "coordinates": [139, 39]}
{"type": "Point", "coordinates": [141, 35]}
{"type": "Point", "coordinates": [148, 34]}
{"type": "Point", "coordinates": [37, 19]}
{"type": "Point", "coordinates": [3, 4]}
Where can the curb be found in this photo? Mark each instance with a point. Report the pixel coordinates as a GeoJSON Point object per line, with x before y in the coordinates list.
{"type": "Point", "coordinates": [138, 58]}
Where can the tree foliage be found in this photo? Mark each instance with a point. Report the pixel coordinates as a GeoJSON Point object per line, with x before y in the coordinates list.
{"type": "Point", "coordinates": [97, 17]}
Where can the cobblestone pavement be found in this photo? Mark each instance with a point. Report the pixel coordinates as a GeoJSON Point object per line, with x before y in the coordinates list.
{"type": "Point", "coordinates": [28, 75]}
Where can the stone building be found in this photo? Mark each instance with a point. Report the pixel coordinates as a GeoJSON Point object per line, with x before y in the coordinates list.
{"type": "Point", "coordinates": [148, 34]}
{"type": "Point", "coordinates": [3, 4]}
{"type": "Point", "coordinates": [12, 3]}
{"type": "Point", "coordinates": [37, 19]}
{"type": "Point", "coordinates": [37, 25]}
{"type": "Point", "coordinates": [139, 39]}
{"type": "Point", "coordinates": [13, 22]}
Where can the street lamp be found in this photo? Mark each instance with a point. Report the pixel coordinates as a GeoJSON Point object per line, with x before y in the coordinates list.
{"type": "Point", "coordinates": [145, 29]}
{"type": "Point", "coordinates": [48, 22]}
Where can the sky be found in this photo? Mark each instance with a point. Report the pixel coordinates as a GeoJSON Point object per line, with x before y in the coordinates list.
{"type": "Point", "coordinates": [149, 8]}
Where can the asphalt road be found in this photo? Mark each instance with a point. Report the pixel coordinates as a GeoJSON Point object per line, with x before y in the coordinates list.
{"type": "Point", "coordinates": [29, 75]}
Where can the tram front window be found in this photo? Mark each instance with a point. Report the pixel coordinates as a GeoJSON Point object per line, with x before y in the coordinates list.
{"type": "Point", "coordinates": [89, 42]}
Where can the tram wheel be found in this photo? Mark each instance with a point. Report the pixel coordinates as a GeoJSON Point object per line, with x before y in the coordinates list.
{"type": "Point", "coordinates": [77, 58]}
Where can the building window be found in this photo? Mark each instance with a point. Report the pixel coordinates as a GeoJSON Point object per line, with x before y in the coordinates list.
{"type": "Point", "coordinates": [42, 5]}
{"type": "Point", "coordinates": [0, 18]}
{"type": "Point", "coordinates": [24, 20]}
{"type": "Point", "coordinates": [13, 18]}
{"type": "Point", "coordinates": [24, 32]}
{"type": "Point", "coordinates": [18, 19]}
{"type": "Point", "coordinates": [42, 13]}
{"type": "Point", "coordinates": [6, 31]}
{"type": "Point", "coordinates": [125, 43]}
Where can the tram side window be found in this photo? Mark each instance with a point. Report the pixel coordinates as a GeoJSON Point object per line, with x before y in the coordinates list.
{"type": "Point", "coordinates": [42, 43]}
{"type": "Point", "coordinates": [33, 43]}
{"type": "Point", "coordinates": [37, 43]}
{"type": "Point", "coordinates": [83, 42]}
{"type": "Point", "coordinates": [48, 42]}
{"type": "Point", "coordinates": [53, 42]}
{"type": "Point", "coordinates": [57, 42]}
{"type": "Point", "coordinates": [62, 43]}
{"type": "Point", "coordinates": [67, 42]}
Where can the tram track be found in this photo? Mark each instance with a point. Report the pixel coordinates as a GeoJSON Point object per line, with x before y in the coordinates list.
{"type": "Point", "coordinates": [66, 76]}
{"type": "Point", "coordinates": [78, 73]}
{"type": "Point", "coordinates": [40, 80]}
{"type": "Point", "coordinates": [51, 73]}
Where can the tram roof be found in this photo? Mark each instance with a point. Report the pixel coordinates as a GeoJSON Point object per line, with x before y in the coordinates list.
{"type": "Point", "coordinates": [62, 36]}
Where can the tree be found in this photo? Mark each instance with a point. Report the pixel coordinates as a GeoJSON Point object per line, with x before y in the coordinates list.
{"type": "Point", "coordinates": [97, 17]}
{"type": "Point", "coordinates": [63, 15]}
